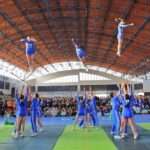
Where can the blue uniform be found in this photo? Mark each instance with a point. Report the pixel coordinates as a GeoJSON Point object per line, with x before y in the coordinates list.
{"type": "Point", "coordinates": [127, 111]}
{"type": "Point", "coordinates": [93, 112]}
{"type": "Point", "coordinates": [93, 105]}
{"type": "Point", "coordinates": [80, 52]}
{"type": "Point", "coordinates": [21, 107]}
{"type": "Point", "coordinates": [30, 47]}
{"type": "Point", "coordinates": [115, 115]}
{"type": "Point", "coordinates": [34, 112]}
{"type": "Point", "coordinates": [88, 107]}
{"type": "Point", "coordinates": [39, 110]}
{"type": "Point", "coordinates": [80, 107]}
{"type": "Point", "coordinates": [121, 27]}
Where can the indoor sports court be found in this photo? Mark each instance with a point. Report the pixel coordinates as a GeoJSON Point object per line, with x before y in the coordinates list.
{"type": "Point", "coordinates": [74, 74]}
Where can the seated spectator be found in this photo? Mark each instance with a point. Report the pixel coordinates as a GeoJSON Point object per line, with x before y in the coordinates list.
{"type": "Point", "coordinates": [54, 111]}
{"type": "Point", "coordinates": [63, 112]}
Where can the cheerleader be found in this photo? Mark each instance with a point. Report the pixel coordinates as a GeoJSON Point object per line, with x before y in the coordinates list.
{"type": "Point", "coordinates": [120, 34]}
{"type": "Point", "coordinates": [39, 115]}
{"type": "Point", "coordinates": [115, 116]}
{"type": "Point", "coordinates": [21, 113]}
{"type": "Point", "coordinates": [80, 52]}
{"type": "Point", "coordinates": [80, 116]}
{"type": "Point", "coordinates": [30, 46]}
{"type": "Point", "coordinates": [127, 114]}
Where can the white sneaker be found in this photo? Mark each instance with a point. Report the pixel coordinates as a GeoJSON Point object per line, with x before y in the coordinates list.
{"type": "Point", "coordinates": [34, 134]}
{"type": "Point", "coordinates": [112, 133]}
{"type": "Point", "coordinates": [22, 135]}
{"type": "Point", "coordinates": [16, 135]}
{"type": "Point", "coordinates": [135, 136]}
{"type": "Point", "coordinates": [41, 129]}
{"type": "Point", "coordinates": [123, 135]}
{"type": "Point", "coordinates": [118, 137]}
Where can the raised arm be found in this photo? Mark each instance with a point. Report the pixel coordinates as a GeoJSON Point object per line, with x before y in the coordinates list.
{"type": "Point", "coordinates": [22, 89]}
{"type": "Point", "coordinates": [74, 43]}
{"type": "Point", "coordinates": [33, 39]}
{"type": "Point", "coordinates": [26, 92]}
{"type": "Point", "coordinates": [85, 93]}
{"type": "Point", "coordinates": [125, 88]}
{"type": "Point", "coordinates": [77, 99]}
{"type": "Point", "coordinates": [17, 94]}
{"type": "Point", "coordinates": [118, 93]}
{"type": "Point", "coordinates": [126, 25]}
{"type": "Point", "coordinates": [90, 92]}
{"type": "Point", "coordinates": [22, 40]}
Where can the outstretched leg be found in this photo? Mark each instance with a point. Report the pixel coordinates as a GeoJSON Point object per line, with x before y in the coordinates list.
{"type": "Point", "coordinates": [81, 61]}
{"type": "Point", "coordinates": [124, 122]}
{"type": "Point", "coordinates": [119, 48]}
{"type": "Point", "coordinates": [32, 59]}
{"type": "Point", "coordinates": [28, 60]}
{"type": "Point", "coordinates": [133, 128]}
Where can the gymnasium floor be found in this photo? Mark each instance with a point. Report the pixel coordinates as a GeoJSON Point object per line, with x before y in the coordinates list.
{"type": "Point", "coordinates": [59, 135]}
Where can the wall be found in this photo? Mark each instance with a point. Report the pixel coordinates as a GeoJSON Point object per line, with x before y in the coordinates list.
{"type": "Point", "coordinates": [12, 83]}
{"type": "Point", "coordinates": [97, 86]}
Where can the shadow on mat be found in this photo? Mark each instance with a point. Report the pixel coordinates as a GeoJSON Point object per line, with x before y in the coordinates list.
{"type": "Point", "coordinates": [45, 140]}
{"type": "Point", "coordinates": [129, 143]}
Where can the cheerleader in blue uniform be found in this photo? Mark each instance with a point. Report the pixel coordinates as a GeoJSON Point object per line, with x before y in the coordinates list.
{"type": "Point", "coordinates": [80, 116]}
{"type": "Point", "coordinates": [39, 115]}
{"type": "Point", "coordinates": [21, 106]}
{"type": "Point", "coordinates": [94, 112]}
{"type": "Point", "coordinates": [115, 116]}
{"type": "Point", "coordinates": [34, 113]}
{"type": "Point", "coordinates": [91, 117]}
{"type": "Point", "coordinates": [127, 115]}
{"type": "Point", "coordinates": [120, 34]}
{"type": "Point", "coordinates": [30, 46]}
{"type": "Point", "coordinates": [88, 111]}
{"type": "Point", "coordinates": [80, 52]}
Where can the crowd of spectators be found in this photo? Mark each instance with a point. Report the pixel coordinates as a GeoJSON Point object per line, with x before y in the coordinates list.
{"type": "Point", "coordinates": [66, 106]}
{"type": "Point", "coordinates": [59, 106]}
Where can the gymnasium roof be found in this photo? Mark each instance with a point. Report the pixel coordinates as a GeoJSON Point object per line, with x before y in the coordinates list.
{"type": "Point", "coordinates": [54, 22]}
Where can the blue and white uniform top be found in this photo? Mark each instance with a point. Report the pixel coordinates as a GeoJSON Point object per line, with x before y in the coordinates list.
{"type": "Point", "coordinates": [127, 111]}
{"type": "Point", "coordinates": [88, 106]}
{"type": "Point", "coordinates": [121, 27]}
{"type": "Point", "coordinates": [21, 106]}
{"type": "Point", "coordinates": [30, 46]}
{"type": "Point", "coordinates": [80, 52]}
